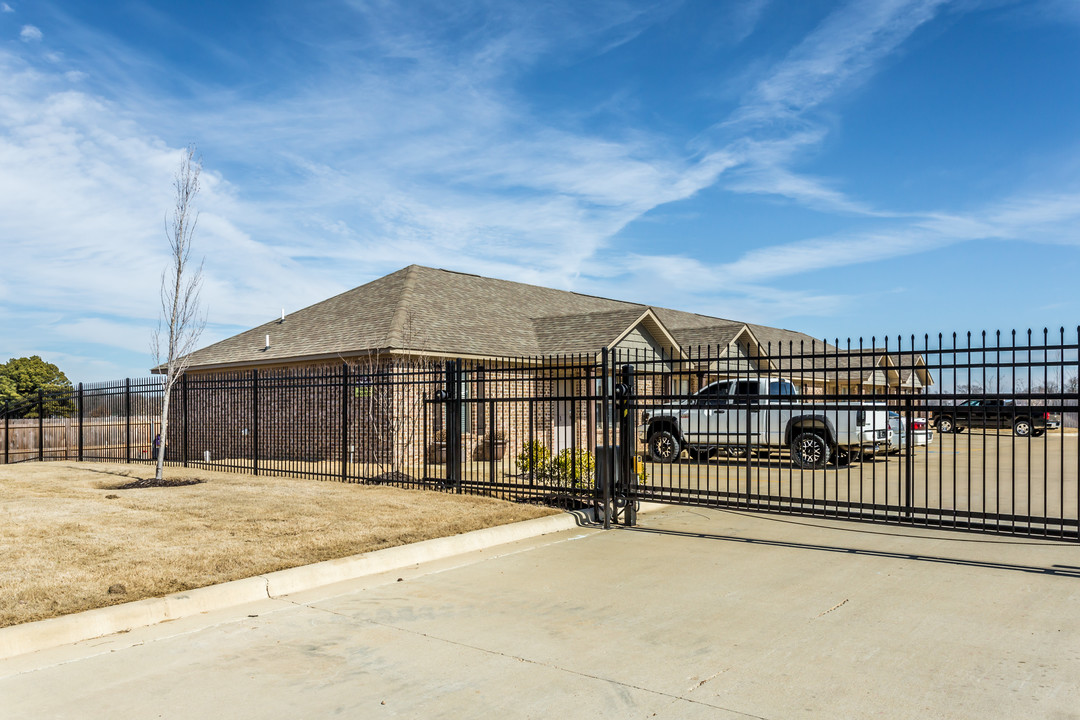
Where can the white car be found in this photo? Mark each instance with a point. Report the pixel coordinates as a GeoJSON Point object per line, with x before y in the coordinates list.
{"type": "Point", "coordinates": [921, 432]}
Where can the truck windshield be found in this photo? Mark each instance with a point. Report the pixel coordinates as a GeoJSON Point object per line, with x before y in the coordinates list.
{"type": "Point", "coordinates": [781, 387]}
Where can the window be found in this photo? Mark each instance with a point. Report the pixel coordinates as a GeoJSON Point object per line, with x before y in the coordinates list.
{"type": "Point", "coordinates": [713, 395]}
{"type": "Point", "coordinates": [598, 407]}
{"type": "Point", "coordinates": [467, 410]}
{"type": "Point", "coordinates": [745, 388]}
{"type": "Point", "coordinates": [781, 387]}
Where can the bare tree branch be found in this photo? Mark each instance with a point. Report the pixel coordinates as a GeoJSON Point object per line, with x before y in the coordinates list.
{"type": "Point", "coordinates": [181, 322]}
{"type": "Point", "coordinates": [389, 412]}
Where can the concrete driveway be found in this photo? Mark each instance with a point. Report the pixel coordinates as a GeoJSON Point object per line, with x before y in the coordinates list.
{"type": "Point", "coordinates": [696, 614]}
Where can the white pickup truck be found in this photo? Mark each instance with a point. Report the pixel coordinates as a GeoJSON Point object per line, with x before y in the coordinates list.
{"type": "Point", "coordinates": [760, 414]}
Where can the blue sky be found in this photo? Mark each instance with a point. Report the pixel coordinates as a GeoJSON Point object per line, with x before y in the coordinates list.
{"type": "Point", "coordinates": [843, 168]}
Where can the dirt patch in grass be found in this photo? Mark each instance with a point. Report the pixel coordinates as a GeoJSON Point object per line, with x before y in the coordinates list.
{"type": "Point", "coordinates": [71, 540]}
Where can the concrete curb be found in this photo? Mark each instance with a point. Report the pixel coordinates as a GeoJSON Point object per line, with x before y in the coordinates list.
{"type": "Point", "coordinates": [68, 629]}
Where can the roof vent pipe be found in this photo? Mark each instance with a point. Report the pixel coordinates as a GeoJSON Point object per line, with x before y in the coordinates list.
{"type": "Point", "coordinates": [282, 316]}
{"type": "Point", "coordinates": [267, 343]}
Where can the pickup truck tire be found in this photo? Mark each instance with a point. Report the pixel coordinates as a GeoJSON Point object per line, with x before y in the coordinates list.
{"type": "Point", "coordinates": [809, 451]}
{"type": "Point", "coordinates": [664, 446]}
{"type": "Point", "coordinates": [945, 424]}
{"type": "Point", "coordinates": [1022, 428]}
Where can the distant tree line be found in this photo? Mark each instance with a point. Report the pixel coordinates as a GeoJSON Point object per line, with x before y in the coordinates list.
{"type": "Point", "coordinates": [20, 381]}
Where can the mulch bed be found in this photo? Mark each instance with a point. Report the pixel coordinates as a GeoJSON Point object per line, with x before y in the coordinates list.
{"type": "Point", "coordinates": [153, 482]}
{"type": "Point", "coordinates": [392, 478]}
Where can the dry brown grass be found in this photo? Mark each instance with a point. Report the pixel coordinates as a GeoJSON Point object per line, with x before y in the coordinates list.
{"type": "Point", "coordinates": [67, 535]}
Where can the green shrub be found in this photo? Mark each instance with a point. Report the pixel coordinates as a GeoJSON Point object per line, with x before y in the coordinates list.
{"type": "Point", "coordinates": [533, 458]}
{"type": "Point", "coordinates": [567, 470]}
{"type": "Point", "coordinates": [571, 469]}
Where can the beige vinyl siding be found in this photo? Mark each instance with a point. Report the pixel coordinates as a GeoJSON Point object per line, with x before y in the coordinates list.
{"type": "Point", "coordinates": [639, 345]}
{"type": "Point", "coordinates": [878, 378]}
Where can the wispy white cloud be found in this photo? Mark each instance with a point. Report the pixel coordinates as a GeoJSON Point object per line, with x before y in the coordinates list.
{"type": "Point", "coordinates": [1052, 218]}
{"type": "Point", "coordinates": [819, 254]}
{"type": "Point", "coordinates": [834, 57]}
{"type": "Point", "coordinates": [811, 192]}
{"type": "Point", "coordinates": [678, 281]}
{"type": "Point", "coordinates": [745, 17]}
{"type": "Point", "coordinates": [439, 159]}
{"type": "Point", "coordinates": [99, 331]}
{"type": "Point", "coordinates": [774, 125]}
{"type": "Point", "coordinates": [1054, 11]}
{"type": "Point", "coordinates": [82, 197]}
{"type": "Point", "coordinates": [418, 149]}
{"type": "Point", "coordinates": [30, 33]}
{"type": "Point", "coordinates": [4, 7]}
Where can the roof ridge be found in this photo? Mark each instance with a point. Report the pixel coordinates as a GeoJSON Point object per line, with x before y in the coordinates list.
{"type": "Point", "coordinates": [632, 308]}
{"type": "Point", "coordinates": [396, 336]}
{"type": "Point", "coordinates": [532, 285]}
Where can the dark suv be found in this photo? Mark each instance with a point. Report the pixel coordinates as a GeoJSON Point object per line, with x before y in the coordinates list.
{"type": "Point", "coordinates": [1025, 420]}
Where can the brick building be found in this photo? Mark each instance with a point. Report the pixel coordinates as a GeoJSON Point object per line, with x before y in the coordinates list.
{"type": "Point", "coordinates": [515, 338]}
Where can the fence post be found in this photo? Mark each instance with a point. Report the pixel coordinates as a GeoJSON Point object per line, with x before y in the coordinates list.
{"type": "Point", "coordinates": [344, 421]}
{"type": "Point", "coordinates": [453, 424]}
{"type": "Point", "coordinates": [609, 454]}
{"type": "Point", "coordinates": [908, 407]}
{"type": "Point", "coordinates": [184, 423]}
{"type": "Point", "coordinates": [255, 421]}
{"type": "Point", "coordinates": [41, 424]}
{"type": "Point", "coordinates": [424, 436]}
{"type": "Point", "coordinates": [7, 433]}
{"type": "Point", "coordinates": [627, 441]}
{"type": "Point", "coordinates": [491, 430]}
{"type": "Point", "coordinates": [80, 422]}
{"type": "Point", "coordinates": [127, 421]}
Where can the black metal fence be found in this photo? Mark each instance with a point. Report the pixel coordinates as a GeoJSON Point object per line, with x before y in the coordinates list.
{"type": "Point", "coordinates": [974, 432]}
{"type": "Point", "coordinates": [387, 421]}
{"type": "Point", "coordinates": [957, 432]}
{"type": "Point", "coordinates": [108, 421]}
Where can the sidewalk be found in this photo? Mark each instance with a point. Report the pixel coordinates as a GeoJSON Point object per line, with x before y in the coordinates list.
{"type": "Point", "coordinates": [696, 614]}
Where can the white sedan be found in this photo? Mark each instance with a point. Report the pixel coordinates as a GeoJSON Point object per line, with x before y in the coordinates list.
{"type": "Point", "coordinates": [921, 432]}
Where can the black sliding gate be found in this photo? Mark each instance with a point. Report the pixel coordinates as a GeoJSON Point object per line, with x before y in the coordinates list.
{"type": "Point", "coordinates": [956, 433]}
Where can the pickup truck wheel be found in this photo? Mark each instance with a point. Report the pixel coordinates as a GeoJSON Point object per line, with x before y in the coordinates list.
{"type": "Point", "coordinates": [1022, 428]}
{"type": "Point", "coordinates": [809, 451]}
{"type": "Point", "coordinates": [663, 446]}
{"type": "Point", "coordinates": [945, 425]}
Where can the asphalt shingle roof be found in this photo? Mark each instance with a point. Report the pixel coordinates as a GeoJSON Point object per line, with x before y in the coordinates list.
{"type": "Point", "coordinates": [441, 312]}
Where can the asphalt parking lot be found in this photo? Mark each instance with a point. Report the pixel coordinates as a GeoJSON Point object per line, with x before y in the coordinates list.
{"type": "Point", "coordinates": [978, 471]}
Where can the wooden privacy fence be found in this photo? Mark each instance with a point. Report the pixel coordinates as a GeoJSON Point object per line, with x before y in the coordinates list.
{"type": "Point", "coordinates": [113, 438]}
{"type": "Point", "coordinates": [114, 421]}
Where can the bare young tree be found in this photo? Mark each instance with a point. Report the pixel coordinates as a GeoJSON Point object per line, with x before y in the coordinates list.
{"type": "Point", "coordinates": [390, 412]}
{"type": "Point", "coordinates": [181, 321]}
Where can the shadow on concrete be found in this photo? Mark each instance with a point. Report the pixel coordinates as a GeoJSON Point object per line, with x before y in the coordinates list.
{"type": "Point", "coordinates": [1070, 571]}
